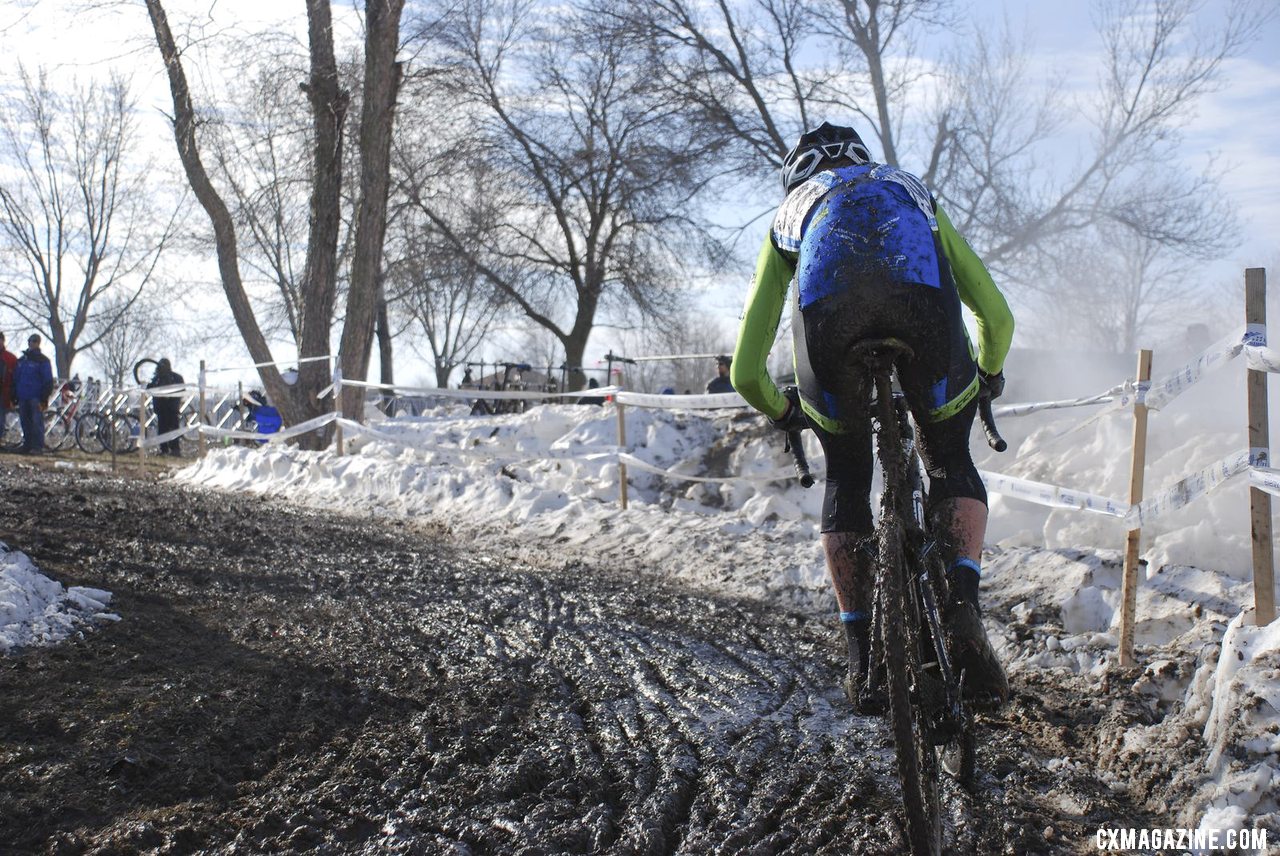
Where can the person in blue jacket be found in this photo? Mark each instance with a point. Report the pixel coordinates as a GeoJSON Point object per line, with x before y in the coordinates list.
{"type": "Point", "coordinates": [32, 385]}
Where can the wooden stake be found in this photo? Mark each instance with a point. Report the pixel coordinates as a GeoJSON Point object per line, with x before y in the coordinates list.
{"type": "Point", "coordinates": [1137, 468]}
{"type": "Point", "coordinates": [200, 420]}
{"type": "Point", "coordinates": [340, 445]}
{"type": "Point", "coordinates": [1264, 585]}
{"type": "Point", "coordinates": [142, 433]}
{"type": "Point", "coordinates": [622, 444]}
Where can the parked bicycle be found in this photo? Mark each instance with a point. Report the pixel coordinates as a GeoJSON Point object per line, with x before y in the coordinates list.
{"type": "Point", "coordinates": [930, 718]}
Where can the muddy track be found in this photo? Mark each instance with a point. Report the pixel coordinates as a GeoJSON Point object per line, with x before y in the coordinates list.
{"type": "Point", "coordinates": [286, 681]}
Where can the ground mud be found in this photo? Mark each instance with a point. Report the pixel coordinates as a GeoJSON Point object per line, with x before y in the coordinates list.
{"type": "Point", "coordinates": [283, 680]}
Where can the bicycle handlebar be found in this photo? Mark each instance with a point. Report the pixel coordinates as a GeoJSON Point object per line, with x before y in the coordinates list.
{"type": "Point", "coordinates": [795, 442]}
{"type": "Point", "coordinates": [994, 440]}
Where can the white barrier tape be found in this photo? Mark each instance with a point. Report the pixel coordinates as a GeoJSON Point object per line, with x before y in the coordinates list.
{"type": "Point", "coordinates": [1172, 385]}
{"type": "Point", "coordinates": [488, 453]}
{"type": "Point", "coordinates": [681, 402]}
{"type": "Point", "coordinates": [1188, 489]}
{"type": "Point", "coordinates": [1052, 495]}
{"type": "Point", "coordinates": [1262, 358]}
{"type": "Point", "coordinates": [148, 442]}
{"type": "Point", "coordinates": [1265, 478]}
{"type": "Point", "coordinates": [231, 433]}
{"type": "Point", "coordinates": [281, 435]}
{"type": "Point", "coordinates": [635, 463]}
{"type": "Point", "coordinates": [290, 363]}
{"type": "Point", "coordinates": [1036, 406]}
{"type": "Point", "coordinates": [600, 392]}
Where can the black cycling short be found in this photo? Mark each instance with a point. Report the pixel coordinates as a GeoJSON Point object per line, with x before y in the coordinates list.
{"type": "Point", "coordinates": [939, 381]}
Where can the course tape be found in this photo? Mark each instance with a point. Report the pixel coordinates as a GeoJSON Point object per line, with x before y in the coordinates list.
{"type": "Point", "coordinates": [635, 463]}
{"type": "Point", "coordinates": [483, 393]}
{"type": "Point", "coordinates": [1266, 479]}
{"type": "Point", "coordinates": [713, 401]}
{"type": "Point", "coordinates": [1215, 357]}
{"type": "Point", "coordinates": [488, 453]}
{"type": "Point", "coordinates": [1052, 495]}
{"type": "Point", "coordinates": [1188, 489]}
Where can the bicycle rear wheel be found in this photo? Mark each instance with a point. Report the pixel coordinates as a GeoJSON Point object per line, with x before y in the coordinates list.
{"type": "Point", "coordinates": [898, 626]}
{"type": "Point", "coordinates": [58, 433]}
{"type": "Point", "coordinates": [89, 433]}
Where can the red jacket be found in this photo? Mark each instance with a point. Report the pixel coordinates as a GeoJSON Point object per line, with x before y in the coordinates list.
{"type": "Point", "coordinates": [6, 386]}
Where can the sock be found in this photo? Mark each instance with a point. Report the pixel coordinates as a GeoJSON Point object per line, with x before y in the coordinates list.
{"type": "Point", "coordinates": [857, 631]}
{"type": "Point", "coordinates": [964, 576]}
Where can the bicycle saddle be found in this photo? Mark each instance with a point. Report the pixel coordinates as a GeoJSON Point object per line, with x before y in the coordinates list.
{"type": "Point", "coordinates": [879, 352]}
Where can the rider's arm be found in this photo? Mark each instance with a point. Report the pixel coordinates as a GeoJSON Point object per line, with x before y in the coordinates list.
{"type": "Point", "coordinates": [979, 293]}
{"type": "Point", "coordinates": [755, 335]}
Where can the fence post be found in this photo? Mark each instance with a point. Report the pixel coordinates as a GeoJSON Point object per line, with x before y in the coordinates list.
{"type": "Point", "coordinates": [339, 440]}
{"type": "Point", "coordinates": [200, 438]}
{"type": "Point", "coordinates": [1264, 591]}
{"type": "Point", "coordinates": [142, 432]}
{"type": "Point", "coordinates": [1137, 469]}
{"type": "Point", "coordinates": [622, 444]}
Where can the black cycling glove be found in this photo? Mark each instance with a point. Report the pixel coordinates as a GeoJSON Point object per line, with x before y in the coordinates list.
{"type": "Point", "coordinates": [992, 384]}
{"type": "Point", "coordinates": [792, 419]}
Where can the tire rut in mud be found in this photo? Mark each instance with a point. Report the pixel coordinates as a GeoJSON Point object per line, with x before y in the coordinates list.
{"type": "Point", "coordinates": [290, 681]}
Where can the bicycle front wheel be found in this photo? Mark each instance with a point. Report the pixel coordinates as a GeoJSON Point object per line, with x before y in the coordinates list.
{"type": "Point", "coordinates": [898, 626]}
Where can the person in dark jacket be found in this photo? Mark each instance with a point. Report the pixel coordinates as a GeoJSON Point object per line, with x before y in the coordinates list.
{"type": "Point", "coordinates": [32, 385]}
{"type": "Point", "coordinates": [166, 406]}
{"type": "Point", "coordinates": [721, 383]}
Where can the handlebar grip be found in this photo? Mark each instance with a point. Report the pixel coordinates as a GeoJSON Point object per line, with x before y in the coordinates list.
{"type": "Point", "coordinates": [994, 440]}
{"type": "Point", "coordinates": [796, 443]}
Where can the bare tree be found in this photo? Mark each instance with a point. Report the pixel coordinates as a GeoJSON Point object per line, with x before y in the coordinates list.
{"type": "Point", "coordinates": [1158, 61]}
{"type": "Point", "coordinates": [75, 212]}
{"type": "Point", "coordinates": [601, 167]}
{"type": "Point", "coordinates": [328, 102]}
{"type": "Point", "coordinates": [381, 88]}
{"type": "Point", "coordinates": [756, 71]}
{"type": "Point", "coordinates": [135, 329]}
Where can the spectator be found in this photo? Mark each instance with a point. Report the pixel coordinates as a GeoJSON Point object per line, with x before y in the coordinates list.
{"type": "Point", "coordinates": [166, 406]}
{"type": "Point", "coordinates": [32, 385]}
{"type": "Point", "coordinates": [8, 401]}
{"type": "Point", "coordinates": [592, 399]}
{"type": "Point", "coordinates": [721, 383]}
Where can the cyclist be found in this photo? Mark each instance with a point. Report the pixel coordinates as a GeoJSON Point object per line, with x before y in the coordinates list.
{"type": "Point", "coordinates": [874, 256]}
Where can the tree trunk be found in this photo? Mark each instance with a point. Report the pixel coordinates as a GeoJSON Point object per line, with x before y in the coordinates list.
{"type": "Point", "coordinates": [381, 84]}
{"type": "Point", "coordinates": [184, 132]}
{"type": "Point", "coordinates": [329, 102]}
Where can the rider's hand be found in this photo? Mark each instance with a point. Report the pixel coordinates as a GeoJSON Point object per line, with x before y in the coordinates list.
{"type": "Point", "coordinates": [992, 385]}
{"type": "Point", "coordinates": [792, 419]}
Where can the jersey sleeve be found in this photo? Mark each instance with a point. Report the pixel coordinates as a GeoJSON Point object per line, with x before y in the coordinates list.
{"type": "Point", "coordinates": [978, 292]}
{"type": "Point", "coordinates": [760, 319]}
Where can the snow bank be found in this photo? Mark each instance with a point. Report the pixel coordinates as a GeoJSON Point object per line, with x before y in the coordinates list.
{"type": "Point", "coordinates": [35, 610]}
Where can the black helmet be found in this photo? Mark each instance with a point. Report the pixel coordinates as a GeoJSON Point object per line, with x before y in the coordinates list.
{"type": "Point", "coordinates": [821, 147]}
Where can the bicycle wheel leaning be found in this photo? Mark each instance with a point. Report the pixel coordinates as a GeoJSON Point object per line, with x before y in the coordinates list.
{"type": "Point", "coordinates": [89, 433]}
{"type": "Point", "coordinates": [143, 370]}
{"type": "Point", "coordinates": [898, 629]}
{"type": "Point", "coordinates": [58, 431]}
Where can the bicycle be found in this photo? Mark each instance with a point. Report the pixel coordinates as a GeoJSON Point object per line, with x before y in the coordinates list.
{"type": "Point", "coordinates": [910, 645]}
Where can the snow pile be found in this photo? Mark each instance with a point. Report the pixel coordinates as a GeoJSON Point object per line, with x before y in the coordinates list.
{"type": "Point", "coordinates": [1198, 736]}
{"type": "Point", "coordinates": [35, 610]}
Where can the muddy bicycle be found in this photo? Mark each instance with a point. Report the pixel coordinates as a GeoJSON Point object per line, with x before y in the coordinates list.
{"type": "Point", "coordinates": [911, 648]}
